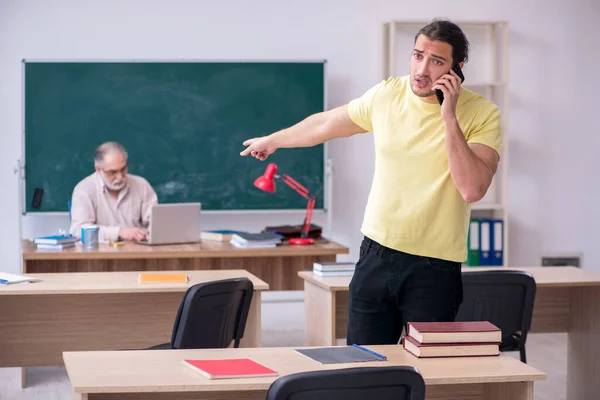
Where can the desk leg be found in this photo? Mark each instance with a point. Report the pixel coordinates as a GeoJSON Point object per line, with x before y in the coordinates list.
{"type": "Point", "coordinates": [481, 391]}
{"type": "Point", "coordinates": [509, 391]}
{"type": "Point", "coordinates": [23, 378]}
{"type": "Point", "coordinates": [253, 331]}
{"type": "Point", "coordinates": [319, 315]}
{"type": "Point", "coordinates": [583, 354]}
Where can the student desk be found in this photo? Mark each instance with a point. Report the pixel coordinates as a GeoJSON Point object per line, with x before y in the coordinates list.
{"type": "Point", "coordinates": [567, 300]}
{"type": "Point", "coordinates": [98, 311]}
{"type": "Point", "coordinates": [154, 375]}
{"type": "Point", "coordinates": [276, 266]}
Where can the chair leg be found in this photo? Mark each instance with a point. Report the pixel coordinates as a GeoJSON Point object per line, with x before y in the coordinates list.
{"type": "Point", "coordinates": [523, 354]}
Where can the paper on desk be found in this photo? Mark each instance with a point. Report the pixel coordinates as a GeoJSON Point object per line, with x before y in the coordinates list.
{"type": "Point", "coordinates": [7, 279]}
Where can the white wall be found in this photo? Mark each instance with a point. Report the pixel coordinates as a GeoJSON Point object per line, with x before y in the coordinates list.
{"type": "Point", "coordinates": [553, 187]}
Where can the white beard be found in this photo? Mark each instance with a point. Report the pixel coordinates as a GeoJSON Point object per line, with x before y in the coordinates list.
{"type": "Point", "coordinates": [112, 185]}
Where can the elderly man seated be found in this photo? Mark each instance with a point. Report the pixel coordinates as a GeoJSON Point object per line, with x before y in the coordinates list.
{"type": "Point", "coordinates": [117, 202]}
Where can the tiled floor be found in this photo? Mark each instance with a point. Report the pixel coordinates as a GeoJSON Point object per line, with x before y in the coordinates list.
{"type": "Point", "coordinates": [547, 352]}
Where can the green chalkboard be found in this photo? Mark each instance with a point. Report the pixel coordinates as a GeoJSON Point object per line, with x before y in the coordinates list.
{"type": "Point", "coordinates": [182, 123]}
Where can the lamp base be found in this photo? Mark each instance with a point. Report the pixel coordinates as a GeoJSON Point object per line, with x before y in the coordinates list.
{"type": "Point", "coordinates": [301, 241]}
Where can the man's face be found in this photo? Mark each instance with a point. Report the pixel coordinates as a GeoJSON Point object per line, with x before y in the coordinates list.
{"type": "Point", "coordinates": [114, 171]}
{"type": "Point", "coordinates": [428, 62]}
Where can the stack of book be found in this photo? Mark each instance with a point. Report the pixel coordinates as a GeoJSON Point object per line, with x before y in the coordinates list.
{"type": "Point", "coordinates": [255, 240]}
{"type": "Point", "coordinates": [333, 268]}
{"type": "Point", "coordinates": [218, 235]}
{"type": "Point", "coordinates": [57, 242]}
{"type": "Point", "coordinates": [452, 339]}
{"type": "Point", "coordinates": [292, 231]}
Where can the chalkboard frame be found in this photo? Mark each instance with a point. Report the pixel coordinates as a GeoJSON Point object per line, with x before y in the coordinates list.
{"type": "Point", "coordinates": [327, 166]}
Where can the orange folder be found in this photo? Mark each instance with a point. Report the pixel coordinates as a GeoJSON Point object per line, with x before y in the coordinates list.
{"type": "Point", "coordinates": [162, 278]}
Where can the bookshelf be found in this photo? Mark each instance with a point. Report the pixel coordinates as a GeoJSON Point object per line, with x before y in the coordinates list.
{"type": "Point", "coordinates": [486, 73]}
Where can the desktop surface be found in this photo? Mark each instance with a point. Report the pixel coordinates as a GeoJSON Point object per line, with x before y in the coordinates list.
{"type": "Point", "coordinates": [567, 276]}
{"type": "Point", "coordinates": [118, 282]}
{"type": "Point", "coordinates": [200, 249]}
{"type": "Point", "coordinates": [152, 371]}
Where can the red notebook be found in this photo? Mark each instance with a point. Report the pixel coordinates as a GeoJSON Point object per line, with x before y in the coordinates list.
{"type": "Point", "coordinates": [230, 368]}
{"type": "Point", "coordinates": [454, 332]}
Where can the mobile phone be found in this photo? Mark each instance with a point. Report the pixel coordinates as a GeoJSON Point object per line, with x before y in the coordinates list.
{"type": "Point", "coordinates": [38, 193]}
{"type": "Point", "coordinates": [439, 94]}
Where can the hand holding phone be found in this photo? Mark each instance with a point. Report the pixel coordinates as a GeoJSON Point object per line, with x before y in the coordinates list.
{"type": "Point", "coordinates": [439, 94]}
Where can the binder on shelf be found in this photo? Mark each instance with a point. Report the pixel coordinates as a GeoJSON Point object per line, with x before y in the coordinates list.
{"type": "Point", "coordinates": [485, 242]}
{"type": "Point", "coordinates": [497, 240]}
{"type": "Point", "coordinates": [473, 243]}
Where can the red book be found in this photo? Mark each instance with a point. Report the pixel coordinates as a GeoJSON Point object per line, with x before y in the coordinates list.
{"type": "Point", "coordinates": [229, 368]}
{"type": "Point", "coordinates": [454, 332]}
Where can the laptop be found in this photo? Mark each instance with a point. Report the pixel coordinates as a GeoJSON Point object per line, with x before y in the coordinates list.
{"type": "Point", "coordinates": [174, 223]}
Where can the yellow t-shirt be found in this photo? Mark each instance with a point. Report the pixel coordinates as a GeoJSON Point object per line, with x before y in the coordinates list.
{"type": "Point", "coordinates": [414, 205]}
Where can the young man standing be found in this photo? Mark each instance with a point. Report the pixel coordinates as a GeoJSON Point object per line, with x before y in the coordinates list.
{"type": "Point", "coordinates": [431, 162]}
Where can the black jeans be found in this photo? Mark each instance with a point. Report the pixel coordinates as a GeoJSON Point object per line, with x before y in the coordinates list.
{"type": "Point", "coordinates": [391, 288]}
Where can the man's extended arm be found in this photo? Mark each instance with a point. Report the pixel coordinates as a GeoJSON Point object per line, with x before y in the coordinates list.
{"type": "Point", "coordinates": [313, 130]}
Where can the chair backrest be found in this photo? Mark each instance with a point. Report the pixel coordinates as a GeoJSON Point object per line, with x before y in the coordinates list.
{"type": "Point", "coordinates": [360, 383]}
{"type": "Point", "coordinates": [213, 314]}
{"type": "Point", "coordinates": [505, 298]}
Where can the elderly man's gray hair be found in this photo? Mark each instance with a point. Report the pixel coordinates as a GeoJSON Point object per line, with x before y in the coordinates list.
{"type": "Point", "coordinates": [107, 148]}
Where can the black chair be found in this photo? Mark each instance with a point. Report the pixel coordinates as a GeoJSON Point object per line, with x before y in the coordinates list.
{"type": "Point", "coordinates": [361, 383]}
{"type": "Point", "coordinates": [211, 315]}
{"type": "Point", "coordinates": [505, 298]}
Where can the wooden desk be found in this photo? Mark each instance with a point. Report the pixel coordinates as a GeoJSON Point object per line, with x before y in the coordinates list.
{"type": "Point", "coordinates": [98, 311]}
{"type": "Point", "coordinates": [161, 374]}
{"type": "Point", "coordinates": [567, 300]}
{"type": "Point", "coordinates": [278, 267]}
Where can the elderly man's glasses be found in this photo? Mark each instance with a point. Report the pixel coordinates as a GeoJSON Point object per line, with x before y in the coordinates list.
{"type": "Point", "coordinates": [113, 172]}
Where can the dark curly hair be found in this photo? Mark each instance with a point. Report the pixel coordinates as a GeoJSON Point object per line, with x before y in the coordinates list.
{"type": "Point", "coordinates": [448, 32]}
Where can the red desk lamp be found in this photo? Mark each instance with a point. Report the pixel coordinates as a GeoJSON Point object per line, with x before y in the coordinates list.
{"type": "Point", "coordinates": [266, 182]}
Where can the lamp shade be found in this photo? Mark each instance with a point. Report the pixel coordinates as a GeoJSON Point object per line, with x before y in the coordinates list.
{"type": "Point", "coordinates": [266, 182]}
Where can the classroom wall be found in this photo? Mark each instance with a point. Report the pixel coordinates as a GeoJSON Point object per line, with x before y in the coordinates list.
{"type": "Point", "coordinates": [553, 139]}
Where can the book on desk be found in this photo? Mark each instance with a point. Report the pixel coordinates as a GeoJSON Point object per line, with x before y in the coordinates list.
{"type": "Point", "coordinates": [341, 354]}
{"type": "Point", "coordinates": [164, 277]}
{"type": "Point", "coordinates": [55, 242]}
{"type": "Point", "coordinates": [255, 240]}
{"type": "Point", "coordinates": [333, 268]}
{"type": "Point", "coordinates": [9, 279]}
{"type": "Point", "coordinates": [218, 235]}
{"type": "Point", "coordinates": [452, 339]}
{"type": "Point", "coordinates": [229, 368]}
{"type": "Point", "coordinates": [292, 231]}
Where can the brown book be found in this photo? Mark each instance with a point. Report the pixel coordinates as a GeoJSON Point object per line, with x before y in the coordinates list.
{"type": "Point", "coordinates": [454, 332]}
{"type": "Point", "coordinates": [449, 349]}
